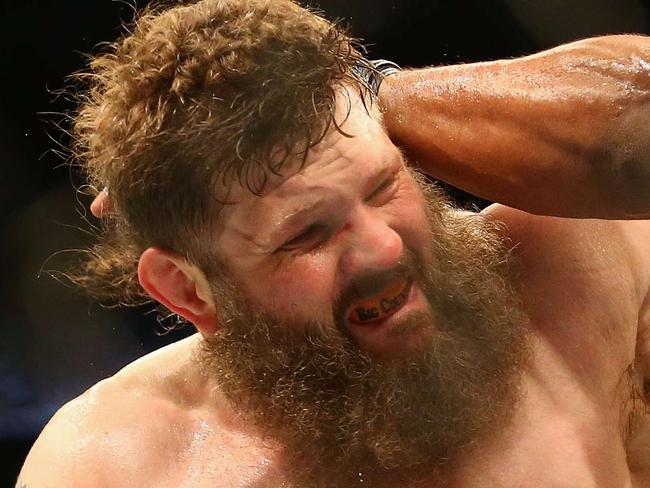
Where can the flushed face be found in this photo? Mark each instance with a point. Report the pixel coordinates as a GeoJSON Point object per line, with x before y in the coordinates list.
{"type": "Point", "coordinates": [362, 311]}
{"type": "Point", "coordinates": [324, 244]}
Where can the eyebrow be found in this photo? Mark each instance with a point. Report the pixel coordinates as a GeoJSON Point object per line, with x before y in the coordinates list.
{"type": "Point", "coordinates": [293, 218]}
{"type": "Point", "coordinates": [382, 175]}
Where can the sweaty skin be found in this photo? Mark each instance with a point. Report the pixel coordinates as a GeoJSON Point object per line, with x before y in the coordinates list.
{"type": "Point", "coordinates": [160, 422]}
{"type": "Point", "coordinates": [561, 132]}
{"type": "Point", "coordinates": [579, 423]}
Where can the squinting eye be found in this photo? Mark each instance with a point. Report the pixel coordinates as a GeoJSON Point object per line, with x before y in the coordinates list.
{"type": "Point", "coordinates": [385, 186]}
{"type": "Point", "coordinates": [312, 236]}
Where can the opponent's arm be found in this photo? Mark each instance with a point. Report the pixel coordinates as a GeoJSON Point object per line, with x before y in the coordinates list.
{"type": "Point", "coordinates": [563, 132]}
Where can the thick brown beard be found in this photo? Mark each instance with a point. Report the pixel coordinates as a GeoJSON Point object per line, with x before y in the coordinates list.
{"type": "Point", "coordinates": [344, 414]}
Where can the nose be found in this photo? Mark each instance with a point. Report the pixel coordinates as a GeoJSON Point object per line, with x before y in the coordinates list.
{"type": "Point", "coordinates": [372, 245]}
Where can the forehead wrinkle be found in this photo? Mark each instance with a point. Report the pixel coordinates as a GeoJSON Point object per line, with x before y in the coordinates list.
{"type": "Point", "coordinates": [265, 216]}
{"type": "Point", "coordinates": [325, 156]}
{"type": "Point", "coordinates": [311, 192]}
{"type": "Point", "coordinates": [309, 181]}
{"type": "Point", "coordinates": [333, 154]}
{"type": "Point", "coordinates": [273, 210]}
{"type": "Point", "coordinates": [272, 219]}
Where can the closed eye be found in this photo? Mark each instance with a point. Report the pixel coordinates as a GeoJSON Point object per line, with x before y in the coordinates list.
{"type": "Point", "coordinates": [312, 236]}
{"type": "Point", "coordinates": [387, 185]}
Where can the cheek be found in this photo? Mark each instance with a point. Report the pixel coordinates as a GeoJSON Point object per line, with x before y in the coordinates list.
{"type": "Point", "coordinates": [304, 286]}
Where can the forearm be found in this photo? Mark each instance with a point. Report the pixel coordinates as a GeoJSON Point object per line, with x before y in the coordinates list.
{"type": "Point", "coordinates": [563, 132]}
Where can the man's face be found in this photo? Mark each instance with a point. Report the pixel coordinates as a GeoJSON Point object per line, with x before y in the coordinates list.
{"type": "Point", "coordinates": [364, 321]}
{"type": "Point", "coordinates": [324, 244]}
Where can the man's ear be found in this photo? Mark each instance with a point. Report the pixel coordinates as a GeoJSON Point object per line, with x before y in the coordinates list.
{"type": "Point", "coordinates": [180, 286]}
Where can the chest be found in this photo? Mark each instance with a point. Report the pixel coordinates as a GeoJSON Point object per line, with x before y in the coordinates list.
{"type": "Point", "coordinates": [548, 450]}
{"type": "Point", "coordinates": [564, 433]}
{"type": "Point", "coordinates": [569, 428]}
{"type": "Point", "coordinates": [561, 435]}
{"type": "Point", "coordinates": [582, 292]}
{"type": "Point", "coordinates": [582, 416]}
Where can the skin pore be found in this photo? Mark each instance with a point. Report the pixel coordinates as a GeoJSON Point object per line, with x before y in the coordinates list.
{"type": "Point", "coordinates": [395, 401]}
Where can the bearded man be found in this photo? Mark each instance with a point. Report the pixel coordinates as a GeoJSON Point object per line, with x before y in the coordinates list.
{"type": "Point", "coordinates": [354, 327]}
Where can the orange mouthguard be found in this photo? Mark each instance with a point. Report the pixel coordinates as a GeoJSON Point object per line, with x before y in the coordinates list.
{"type": "Point", "coordinates": [381, 306]}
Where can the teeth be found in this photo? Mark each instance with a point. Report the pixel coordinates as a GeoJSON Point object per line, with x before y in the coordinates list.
{"type": "Point", "coordinates": [381, 306]}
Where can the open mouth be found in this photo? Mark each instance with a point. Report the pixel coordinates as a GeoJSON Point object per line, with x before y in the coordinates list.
{"type": "Point", "coordinates": [381, 306]}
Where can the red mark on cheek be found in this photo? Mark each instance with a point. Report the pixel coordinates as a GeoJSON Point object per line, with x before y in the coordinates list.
{"type": "Point", "coordinates": [347, 226]}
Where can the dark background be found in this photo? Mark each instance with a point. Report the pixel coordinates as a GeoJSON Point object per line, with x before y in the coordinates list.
{"type": "Point", "coordinates": [55, 343]}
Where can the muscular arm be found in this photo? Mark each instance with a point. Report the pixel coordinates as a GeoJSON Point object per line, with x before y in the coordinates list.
{"type": "Point", "coordinates": [563, 132]}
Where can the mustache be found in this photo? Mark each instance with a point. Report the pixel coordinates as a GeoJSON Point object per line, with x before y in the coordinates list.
{"type": "Point", "coordinates": [371, 282]}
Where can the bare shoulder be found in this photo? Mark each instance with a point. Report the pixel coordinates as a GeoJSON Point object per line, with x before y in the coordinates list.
{"type": "Point", "coordinates": [87, 440]}
{"type": "Point", "coordinates": [123, 425]}
{"type": "Point", "coordinates": [66, 451]}
{"type": "Point", "coordinates": [585, 274]}
{"type": "Point", "coordinates": [586, 246]}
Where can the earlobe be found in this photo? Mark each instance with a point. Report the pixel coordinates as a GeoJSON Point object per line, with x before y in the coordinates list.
{"type": "Point", "coordinates": [178, 285]}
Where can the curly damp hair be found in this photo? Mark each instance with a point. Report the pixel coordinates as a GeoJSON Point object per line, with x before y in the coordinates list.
{"type": "Point", "coordinates": [199, 96]}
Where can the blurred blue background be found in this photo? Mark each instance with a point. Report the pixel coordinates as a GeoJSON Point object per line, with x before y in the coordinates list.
{"type": "Point", "coordinates": [55, 343]}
